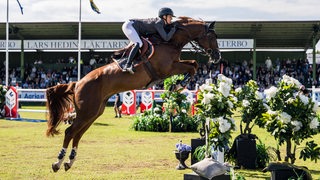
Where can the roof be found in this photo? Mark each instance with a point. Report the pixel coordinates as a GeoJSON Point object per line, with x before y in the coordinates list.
{"type": "Point", "coordinates": [268, 34]}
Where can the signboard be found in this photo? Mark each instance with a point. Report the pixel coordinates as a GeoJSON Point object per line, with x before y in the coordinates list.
{"type": "Point", "coordinates": [106, 44]}
{"type": "Point", "coordinates": [13, 44]}
{"type": "Point", "coordinates": [11, 106]}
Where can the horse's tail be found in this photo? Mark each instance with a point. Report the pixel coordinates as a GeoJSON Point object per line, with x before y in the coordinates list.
{"type": "Point", "coordinates": [59, 98]}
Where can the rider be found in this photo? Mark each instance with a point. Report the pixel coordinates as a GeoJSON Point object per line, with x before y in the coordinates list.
{"type": "Point", "coordinates": [134, 28]}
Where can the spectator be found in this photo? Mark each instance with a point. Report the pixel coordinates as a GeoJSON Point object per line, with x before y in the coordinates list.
{"type": "Point", "coordinates": [117, 106]}
{"type": "Point", "coordinates": [268, 64]}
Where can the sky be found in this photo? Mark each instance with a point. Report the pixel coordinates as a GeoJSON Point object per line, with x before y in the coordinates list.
{"type": "Point", "coordinates": [121, 10]}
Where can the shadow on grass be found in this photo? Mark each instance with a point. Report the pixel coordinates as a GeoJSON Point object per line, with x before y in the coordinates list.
{"type": "Point", "coordinates": [314, 172]}
{"type": "Point", "coordinates": [254, 174]}
{"type": "Point", "coordinates": [101, 124]}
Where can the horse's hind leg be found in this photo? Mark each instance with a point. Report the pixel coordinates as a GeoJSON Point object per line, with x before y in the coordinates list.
{"type": "Point", "coordinates": [62, 153]}
{"type": "Point", "coordinates": [75, 142]}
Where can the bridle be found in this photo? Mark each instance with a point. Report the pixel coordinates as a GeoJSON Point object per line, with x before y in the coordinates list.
{"type": "Point", "coordinates": [197, 48]}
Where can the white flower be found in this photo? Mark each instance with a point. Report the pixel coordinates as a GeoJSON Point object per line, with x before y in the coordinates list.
{"type": "Point", "coordinates": [238, 90]}
{"type": "Point", "coordinates": [235, 99]}
{"type": "Point", "coordinates": [224, 125]}
{"type": "Point", "coordinates": [207, 98]}
{"type": "Point", "coordinates": [271, 92]}
{"type": "Point", "coordinates": [259, 95]}
{"type": "Point", "coordinates": [222, 78]}
{"type": "Point", "coordinates": [297, 125]}
{"type": "Point", "coordinates": [230, 104]}
{"type": "Point", "coordinates": [245, 103]}
{"type": "Point", "coordinates": [205, 87]}
{"type": "Point", "coordinates": [184, 111]}
{"type": "Point", "coordinates": [285, 117]}
{"type": "Point", "coordinates": [291, 81]}
{"type": "Point", "coordinates": [304, 99]}
{"type": "Point", "coordinates": [271, 112]}
{"type": "Point", "coordinates": [224, 88]}
{"type": "Point", "coordinates": [314, 123]}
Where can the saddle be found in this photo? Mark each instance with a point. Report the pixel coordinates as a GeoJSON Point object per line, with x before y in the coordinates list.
{"type": "Point", "coordinates": [145, 53]}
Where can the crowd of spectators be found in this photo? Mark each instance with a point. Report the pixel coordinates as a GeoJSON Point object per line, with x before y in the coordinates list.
{"type": "Point", "coordinates": [268, 73]}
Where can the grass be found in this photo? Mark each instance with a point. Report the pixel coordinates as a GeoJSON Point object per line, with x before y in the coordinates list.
{"type": "Point", "coordinates": [108, 150]}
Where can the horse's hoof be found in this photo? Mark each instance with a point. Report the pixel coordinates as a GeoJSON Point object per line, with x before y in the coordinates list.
{"type": "Point", "coordinates": [55, 167]}
{"type": "Point", "coordinates": [67, 166]}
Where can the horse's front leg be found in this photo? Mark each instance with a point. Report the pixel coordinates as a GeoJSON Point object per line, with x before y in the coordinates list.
{"type": "Point", "coordinates": [183, 66]}
{"type": "Point", "coordinates": [186, 67]}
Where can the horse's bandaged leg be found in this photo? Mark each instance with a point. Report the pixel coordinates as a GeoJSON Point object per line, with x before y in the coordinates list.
{"type": "Point", "coordinates": [72, 158]}
{"type": "Point", "coordinates": [56, 165]}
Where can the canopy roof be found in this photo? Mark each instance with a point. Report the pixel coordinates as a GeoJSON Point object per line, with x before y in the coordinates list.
{"type": "Point", "coordinates": [268, 34]}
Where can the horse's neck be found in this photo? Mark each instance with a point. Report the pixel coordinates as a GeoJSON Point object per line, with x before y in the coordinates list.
{"type": "Point", "coordinates": [186, 34]}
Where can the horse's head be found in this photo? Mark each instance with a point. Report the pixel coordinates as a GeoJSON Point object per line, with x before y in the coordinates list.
{"type": "Point", "coordinates": [208, 42]}
{"type": "Point", "coordinates": [201, 35]}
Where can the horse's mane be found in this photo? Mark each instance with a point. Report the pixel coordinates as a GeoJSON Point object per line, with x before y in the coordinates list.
{"type": "Point", "coordinates": [184, 20]}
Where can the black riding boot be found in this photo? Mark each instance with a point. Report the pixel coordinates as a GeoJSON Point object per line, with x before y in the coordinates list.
{"type": "Point", "coordinates": [129, 67]}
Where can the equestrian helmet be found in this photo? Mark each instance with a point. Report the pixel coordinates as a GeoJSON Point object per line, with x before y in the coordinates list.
{"type": "Point", "coordinates": [165, 11]}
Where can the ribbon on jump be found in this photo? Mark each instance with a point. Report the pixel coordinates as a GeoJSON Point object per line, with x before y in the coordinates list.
{"type": "Point", "coordinates": [94, 7]}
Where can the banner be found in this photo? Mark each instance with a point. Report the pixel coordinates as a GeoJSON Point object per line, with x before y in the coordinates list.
{"type": "Point", "coordinates": [11, 106]}
{"type": "Point", "coordinates": [128, 103]}
{"type": "Point", "coordinates": [106, 44]}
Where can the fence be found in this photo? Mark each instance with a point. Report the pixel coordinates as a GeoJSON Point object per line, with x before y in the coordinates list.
{"type": "Point", "coordinates": [38, 95]}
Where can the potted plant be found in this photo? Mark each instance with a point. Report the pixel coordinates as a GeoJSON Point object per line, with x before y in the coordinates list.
{"type": "Point", "coordinates": [182, 154]}
{"type": "Point", "coordinates": [216, 104]}
{"type": "Point", "coordinates": [251, 107]}
{"type": "Point", "coordinates": [291, 118]}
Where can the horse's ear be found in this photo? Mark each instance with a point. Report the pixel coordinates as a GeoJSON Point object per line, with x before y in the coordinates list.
{"type": "Point", "coordinates": [211, 25]}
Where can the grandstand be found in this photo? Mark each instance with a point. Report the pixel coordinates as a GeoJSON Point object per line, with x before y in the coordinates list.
{"type": "Point", "coordinates": [50, 48]}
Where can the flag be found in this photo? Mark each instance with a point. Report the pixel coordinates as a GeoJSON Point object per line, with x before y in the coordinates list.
{"type": "Point", "coordinates": [21, 8]}
{"type": "Point", "coordinates": [94, 7]}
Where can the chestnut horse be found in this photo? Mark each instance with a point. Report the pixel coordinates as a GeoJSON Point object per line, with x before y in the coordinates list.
{"type": "Point", "coordinates": [90, 94]}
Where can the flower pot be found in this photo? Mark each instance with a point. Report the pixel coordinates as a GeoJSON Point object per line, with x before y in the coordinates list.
{"type": "Point", "coordinates": [244, 151]}
{"type": "Point", "coordinates": [286, 174]}
{"type": "Point", "coordinates": [182, 157]}
{"type": "Point", "coordinates": [284, 170]}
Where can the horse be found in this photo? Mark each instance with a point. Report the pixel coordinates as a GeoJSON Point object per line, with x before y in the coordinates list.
{"type": "Point", "coordinates": [90, 94]}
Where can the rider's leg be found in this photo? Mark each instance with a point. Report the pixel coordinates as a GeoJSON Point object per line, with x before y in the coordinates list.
{"type": "Point", "coordinates": [133, 53]}
{"type": "Point", "coordinates": [134, 37]}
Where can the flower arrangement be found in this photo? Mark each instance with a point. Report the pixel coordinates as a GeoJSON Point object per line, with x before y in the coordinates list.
{"type": "Point", "coordinates": [182, 147]}
{"type": "Point", "coordinates": [174, 117]}
{"type": "Point", "coordinates": [250, 102]}
{"type": "Point", "coordinates": [291, 118]}
{"type": "Point", "coordinates": [215, 104]}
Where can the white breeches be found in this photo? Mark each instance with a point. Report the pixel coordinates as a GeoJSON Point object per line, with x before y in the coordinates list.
{"type": "Point", "coordinates": [131, 33]}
